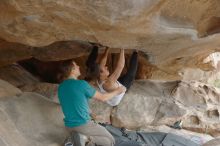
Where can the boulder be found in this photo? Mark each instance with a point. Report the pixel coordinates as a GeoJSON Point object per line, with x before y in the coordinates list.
{"type": "Point", "coordinates": [214, 142]}
{"type": "Point", "coordinates": [163, 103]}
{"type": "Point", "coordinates": [101, 111]}
{"type": "Point", "coordinates": [17, 75]}
{"type": "Point", "coordinates": [117, 24]}
{"type": "Point", "coordinates": [47, 90]}
{"type": "Point", "coordinates": [169, 32]}
{"type": "Point", "coordinates": [147, 103]}
{"type": "Point", "coordinates": [8, 90]}
{"type": "Point", "coordinates": [30, 119]}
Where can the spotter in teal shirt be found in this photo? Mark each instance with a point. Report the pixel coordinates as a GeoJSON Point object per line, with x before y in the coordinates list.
{"type": "Point", "coordinates": [74, 96]}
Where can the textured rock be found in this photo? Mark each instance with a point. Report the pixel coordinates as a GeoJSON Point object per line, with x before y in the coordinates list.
{"type": "Point", "coordinates": [101, 112]}
{"type": "Point", "coordinates": [165, 30]}
{"type": "Point", "coordinates": [17, 76]}
{"type": "Point", "coordinates": [13, 52]}
{"type": "Point", "coordinates": [201, 15]}
{"type": "Point", "coordinates": [62, 50]}
{"type": "Point", "coordinates": [29, 119]}
{"type": "Point", "coordinates": [209, 26]}
{"type": "Point", "coordinates": [163, 103]}
{"type": "Point", "coordinates": [47, 90]}
{"type": "Point", "coordinates": [214, 142]}
{"type": "Point", "coordinates": [147, 103]}
{"type": "Point", "coordinates": [170, 68]}
{"type": "Point", "coordinates": [43, 22]}
{"type": "Point", "coordinates": [7, 90]}
{"type": "Point", "coordinates": [203, 102]}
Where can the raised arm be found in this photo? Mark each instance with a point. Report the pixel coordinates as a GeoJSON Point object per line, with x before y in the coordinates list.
{"type": "Point", "coordinates": [120, 65]}
{"type": "Point", "coordinates": [104, 58]}
{"type": "Point", "coordinates": [108, 95]}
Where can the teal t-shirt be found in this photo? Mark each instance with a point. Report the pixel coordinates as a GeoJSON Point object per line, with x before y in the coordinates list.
{"type": "Point", "coordinates": [74, 96]}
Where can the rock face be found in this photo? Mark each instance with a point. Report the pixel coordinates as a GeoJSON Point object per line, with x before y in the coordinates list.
{"type": "Point", "coordinates": [215, 142]}
{"type": "Point", "coordinates": [101, 111]}
{"type": "Point", "coordinates": [146, 103]}
{"type": "Point", "coordinates": [45, 89]}
{"type": "Point", "coordinates": [39, 23]}
{"type": "Point", "coordinates": [13, 52]}
{"type": "Point", "coordinates": [159, 103]}
{"type": "Point", "coordinates": [8, 89]}
{"type": "Point", "coordinates": [169, 32]}
{"type": "Point", "coordinates": [174, 36]}
{"type": "Point", "coordinates": [30, 119]}
{"type": "Point", "coordinates": [17, 76]}
{"type": "Point", "coordinates": [19, 126]}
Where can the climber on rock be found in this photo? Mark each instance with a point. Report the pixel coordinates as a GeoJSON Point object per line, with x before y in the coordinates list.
{"type": "Point", "coordinates": [107, 81]}
{"type": "Point", "coordinates": [74, 95]}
